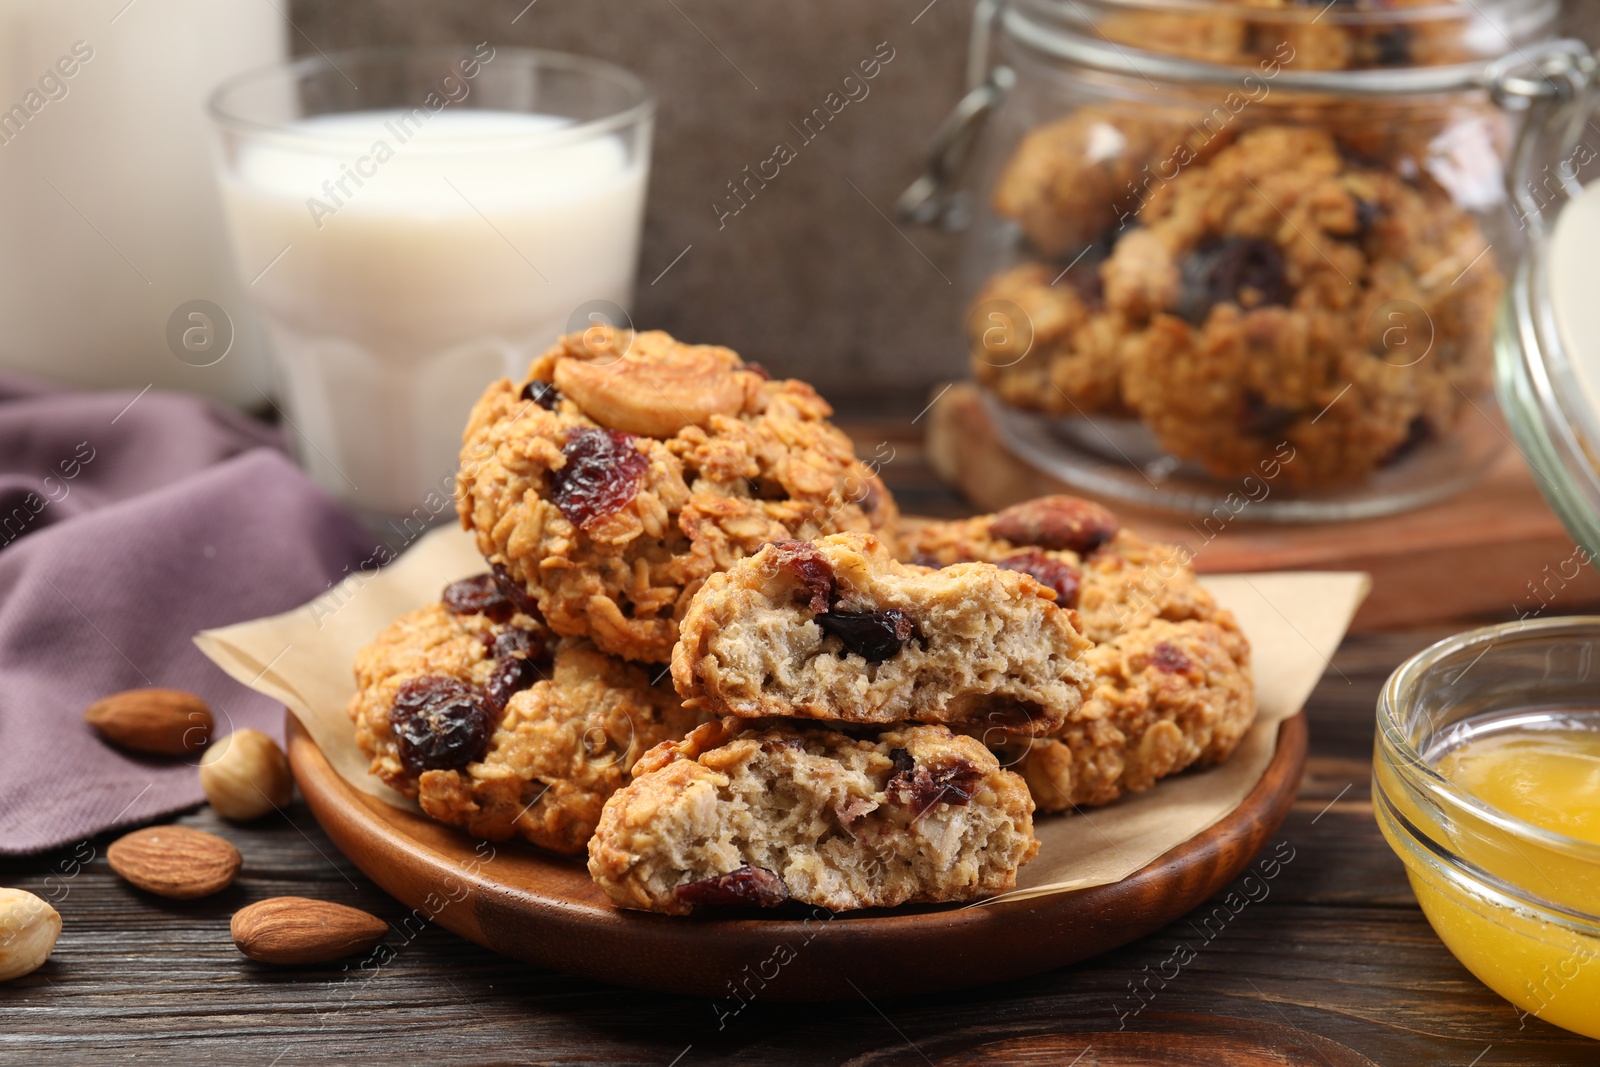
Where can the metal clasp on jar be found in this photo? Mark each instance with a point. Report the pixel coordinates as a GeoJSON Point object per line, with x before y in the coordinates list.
{"type": "Point", "coordinates": [934, 199]}
{"type": "Point", "coordinates": [1553, 86]}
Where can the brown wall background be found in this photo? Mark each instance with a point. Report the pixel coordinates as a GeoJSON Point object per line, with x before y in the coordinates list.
{"type": "Point", "coordinates": [809, 278]}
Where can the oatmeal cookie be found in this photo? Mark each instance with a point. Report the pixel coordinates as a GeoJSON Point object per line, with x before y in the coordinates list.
{"type": "Point", "coordinates": [837, 629]}
{"type": "Point", "coordinates": [1302, 310]}
{"type": "Point", "coordinates": [1167, 696]}
{"type": "Point", "coordinates": [1115, 579]}
{"type": "Point", "coordinates": [1040, 337]}
{"type": "Point", "coordinates": [754, 817]}
{"type": "Point", "coordinates": [1312, 35]}
{"type": "Point", "coordinates": [1172, 683]}
{"type": "Point", "coordinates": [627, 468]}
{"type": "Point", "coordinates": [1073, 181]}
{"type": "Point", "coordinates": [496, 726]}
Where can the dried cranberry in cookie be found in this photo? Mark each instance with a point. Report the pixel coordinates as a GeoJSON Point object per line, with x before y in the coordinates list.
{"type": "Point", "coordinates": [439, 723]}
{"type": "Point", "coordinates": [875, 636]}
{"type": "Point", "coordinates": [743, 887]}
{"type": "Point", "coordinates": [545, 394]}
{"type": "Point", "coordinates": [629, 467]}
{"type": "Point", "coordinates": [806, 563]}
{"type": "Point", "coordinates": [1048, 571]}
{"type": "Point", "coordinates": [600, 473]}
{"type": "Point", "coordinates": [482, 594]}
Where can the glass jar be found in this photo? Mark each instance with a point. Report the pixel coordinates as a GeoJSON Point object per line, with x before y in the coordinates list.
{"type": "Point", "coordinates": [1517, 904]}
{"type": "Point", "coordinates": [1213, 244]}
{"type": "Point", "coordinates": [1547, 345]}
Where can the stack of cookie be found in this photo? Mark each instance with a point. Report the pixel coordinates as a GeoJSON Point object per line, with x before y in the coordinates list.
{"type": "Point", "coordinates": [1263, 301]}
{"type": "Point", "coordinates": [846, 690]}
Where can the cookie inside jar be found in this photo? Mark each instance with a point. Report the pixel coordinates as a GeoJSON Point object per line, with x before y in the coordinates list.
{"type": "Point", "coordinates": [1247, 240]}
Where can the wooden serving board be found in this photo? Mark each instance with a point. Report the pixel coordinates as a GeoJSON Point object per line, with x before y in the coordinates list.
{"type": "Point", "coordinates": [1495, 550]}
{"type": "Point", "coordinates": [544, 909]}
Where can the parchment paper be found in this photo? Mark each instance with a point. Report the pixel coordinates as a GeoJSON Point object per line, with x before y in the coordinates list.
{"type": "Point", "coordinates": [1294, 621]}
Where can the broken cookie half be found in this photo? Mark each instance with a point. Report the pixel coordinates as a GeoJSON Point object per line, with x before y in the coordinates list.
{"type": "Point", "coordinates": [837, 629]}
{"type": "Point", "coordinates": [755, 816]}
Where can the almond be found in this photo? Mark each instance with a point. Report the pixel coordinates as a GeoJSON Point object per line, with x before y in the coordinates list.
{"type": "Point", "coordinates": [1056, 522]}
{"type": "Point", "coordinates": [175, 861]}
{"type": "Point", "coordinates": [246, 775]}
{"type": "Point", "coordinates": [163, 722]}
{"type": "Point", "coordinates": [28, 931]}
{"type": "Point", "coordinates": [655, 397]}
{"type": "Point", "coordinates": [296, 930]}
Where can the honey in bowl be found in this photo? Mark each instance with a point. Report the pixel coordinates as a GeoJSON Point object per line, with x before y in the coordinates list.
{"type": "Point", "coordinates": [1548, 777]}
{"type": "Point", "coordinates": [1541, 770]}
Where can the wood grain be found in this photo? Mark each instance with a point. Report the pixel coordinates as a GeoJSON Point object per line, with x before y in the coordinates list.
{"type": "Point", "coordinates": [1337, 950]}
{"type": "Point", "coordinates": [1501, 533]}
{"type": "Point", "coordinates": [1167, 1041]}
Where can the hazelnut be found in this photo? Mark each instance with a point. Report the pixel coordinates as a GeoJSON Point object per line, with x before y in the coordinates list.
{"type": "Point", "coordinates": [246, 775]}
{"type": "Point", "coordinates": [28, 931]}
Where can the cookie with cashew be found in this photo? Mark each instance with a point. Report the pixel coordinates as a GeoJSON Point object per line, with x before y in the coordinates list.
{"type": "Point", "coordinates": [627, 468]}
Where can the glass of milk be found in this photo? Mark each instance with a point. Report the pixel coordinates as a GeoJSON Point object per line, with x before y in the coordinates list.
{"type": "Point", "coordinates": [413, 223]}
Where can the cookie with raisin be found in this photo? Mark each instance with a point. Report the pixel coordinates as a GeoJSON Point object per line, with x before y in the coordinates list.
{"type": "Point", "coordinates": [1289, 305]}
{"type": "Point", "coordinates": [494, 724]}
{"type": "Point", "coordinates": [837, 629]}
{"type": "Point", "coordinates": [1115, 579]}
{"type": "Point", "coordinates": [741, 816]}
{"type": "Point", "coordinates": [1072, 183]}
{"type": "Point", "coordinates": [1172, 683]}
{"type": "Point", "coordinates": [1167, 696]}
{"type": "Point", "coordinates": [628, 467]}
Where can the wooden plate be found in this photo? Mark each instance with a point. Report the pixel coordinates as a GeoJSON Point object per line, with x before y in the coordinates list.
{"type": "Point", "coordinates": [544, 909]}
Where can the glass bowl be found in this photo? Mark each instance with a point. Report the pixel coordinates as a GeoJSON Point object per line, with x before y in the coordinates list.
{"type": "Point", "coordinates": [1518, 905]}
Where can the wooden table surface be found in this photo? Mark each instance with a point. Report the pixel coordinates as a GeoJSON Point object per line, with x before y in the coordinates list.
{"type": "Point", "coordinates": [1335, 962]}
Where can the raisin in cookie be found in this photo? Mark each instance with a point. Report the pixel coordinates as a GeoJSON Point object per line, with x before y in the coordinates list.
{"type": "Point", "coordinates": [837, 629]}
{"type": "Point", "coordinates": [1301, 309]}
{"type": "Point", "coordinates": [627, 468]}
{"type": "Point", "coordinates": [1167, 696]}
{"type": "Point", "coordinates": [472, 707]}
{"type": "Point", "coordinates": [737, 817]}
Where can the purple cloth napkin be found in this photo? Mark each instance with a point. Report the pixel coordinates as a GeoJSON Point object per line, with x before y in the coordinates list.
{"type": "Point", "coordinates": [127, 524]}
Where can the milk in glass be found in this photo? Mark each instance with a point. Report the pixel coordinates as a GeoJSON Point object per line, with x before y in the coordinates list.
{"type": "Point", "coordinates": [404, 260]}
